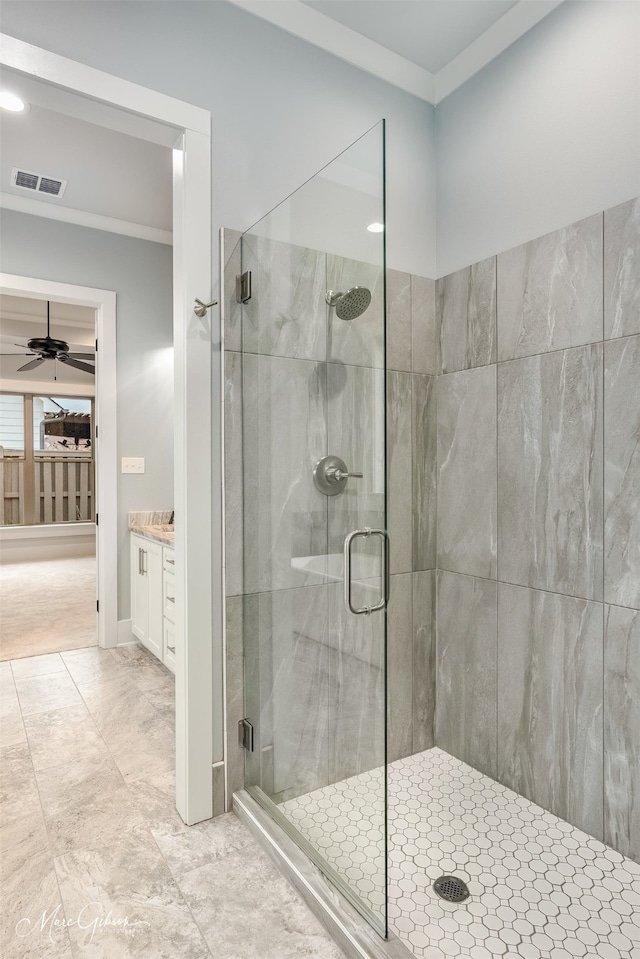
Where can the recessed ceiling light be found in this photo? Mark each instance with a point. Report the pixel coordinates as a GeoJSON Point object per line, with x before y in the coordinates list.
{"type": "Point", "coordinates": [376, 228]}
{"type": "Point", "coordinates": [12, 102]}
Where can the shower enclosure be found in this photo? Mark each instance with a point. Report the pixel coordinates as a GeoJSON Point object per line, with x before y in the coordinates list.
{"type": "Point", "coordinates": [446, 725]}
{"type": "Point", "coordinates": [316, 570]}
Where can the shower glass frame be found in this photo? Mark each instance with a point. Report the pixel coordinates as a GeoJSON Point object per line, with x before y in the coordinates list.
{"type": "Point", "coordinates": [315, 674]}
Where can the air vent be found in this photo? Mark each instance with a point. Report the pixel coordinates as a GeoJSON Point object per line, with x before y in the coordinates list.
{"type": "Point", "coordinates": [28, 180]}
{"type": "Point", "coordinates": [37, 183]}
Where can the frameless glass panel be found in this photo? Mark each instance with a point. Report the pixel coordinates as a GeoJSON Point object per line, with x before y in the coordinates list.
{"type": "Point", "coordinates": [314, 462]}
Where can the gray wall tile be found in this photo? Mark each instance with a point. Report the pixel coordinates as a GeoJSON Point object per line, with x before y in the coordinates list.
{"type": "Point", "coordinates": [467, 472]}
{"type": "Point", "coordinates": [286, 315]}
{"type": "Point", "coordinates": [622, 471]}
{"type": "Point", "coordinates": [622, 269]}
{"type": "Point", "coordinates": [285, 517]}
{"type": "Point", "coordinates": [217, 784]}
{"type": "Point", "coordinates": [257, 680]}
{"type": "Point", "coordinates": [231, 311]}
{"type": "Point", "coordinates": [466, 670]}
{"type": "Point", "coordinates": [466, 304]}
{"type": "Point", "coordinates": [550, 291]}
{"type": "Point", "coordinates": [550, 472]}
{"type": "Point", "coordinates": [295, 662]}
{"type": "Point", "coordinates": [622, 730]}
{"type": "Point", "coordinates": [233, 472]}
{"type": "Point", "coordinates": [424, 468]}
{"type": "Point", "coordinates": [398, 321]}
{"type": "Point", "coordinates": [550, 726]}
{"type": "Point", "coordinates": [400, 668]}
{"type": "Point", "coordinates": [399, 482]}
{"type": "Point", "coordinates": [424, 327]}
{"type": "Point", "coordinates": [356, 433]}
{"type": "Point", "coordinates": [424, 659]}
{"type": "Point", "coordinates": [234, 694]}
{"type": "Point", "coordinates": [358, 342]}
{"type": "Point", "coordinates": [357, 731]}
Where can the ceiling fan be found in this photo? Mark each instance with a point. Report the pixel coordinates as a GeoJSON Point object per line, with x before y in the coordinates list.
{"type": "Point", "coordinates": [46, 348]}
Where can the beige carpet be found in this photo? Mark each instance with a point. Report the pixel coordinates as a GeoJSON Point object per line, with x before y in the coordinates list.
{"type": "Point", "coordinates": [47, 607]}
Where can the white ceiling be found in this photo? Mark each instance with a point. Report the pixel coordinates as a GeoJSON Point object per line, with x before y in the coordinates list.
{"type": "Point", "coordinates": [429, 33]}
{"type": "Point", "coordinates": [109, 174]}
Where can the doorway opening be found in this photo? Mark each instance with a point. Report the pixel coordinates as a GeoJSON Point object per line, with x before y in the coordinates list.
{"type": "Point", "coordinates": [186, 129]}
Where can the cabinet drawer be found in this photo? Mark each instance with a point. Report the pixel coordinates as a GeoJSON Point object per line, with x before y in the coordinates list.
{"type": "Point", "coordinates": [168, 559]}
{"type": "Point", "coordinates": [169, 597]}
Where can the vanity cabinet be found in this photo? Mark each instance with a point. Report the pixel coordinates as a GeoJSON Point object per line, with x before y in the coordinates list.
{"type": "Point", "coordinates": [153, 598]}
{"type": "Point", "coordinates": [146, 594]}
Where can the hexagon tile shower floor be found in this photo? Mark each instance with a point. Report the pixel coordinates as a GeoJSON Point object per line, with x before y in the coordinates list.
{"type": "Point", "coordinates": [539, 888]}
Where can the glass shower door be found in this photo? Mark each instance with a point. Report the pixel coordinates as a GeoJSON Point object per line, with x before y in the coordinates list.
{"type": "Point", "coordinates": [315, 542]}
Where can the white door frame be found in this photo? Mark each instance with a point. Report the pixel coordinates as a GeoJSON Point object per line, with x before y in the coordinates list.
{"type": "Point", "coordinates": [104, 303]}
{"type": "Point", "coordinates": [198, 529]}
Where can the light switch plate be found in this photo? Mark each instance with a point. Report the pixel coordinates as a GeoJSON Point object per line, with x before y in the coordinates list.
{"type": "Point", "coordinates": [133, 464]}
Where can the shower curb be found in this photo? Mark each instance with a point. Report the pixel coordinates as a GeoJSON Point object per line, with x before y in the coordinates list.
{"type": "Point", "coordinates": [343, 923]}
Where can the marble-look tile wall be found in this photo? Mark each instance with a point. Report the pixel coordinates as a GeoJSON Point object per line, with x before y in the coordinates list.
{"type": "Point", "coordinates": [538, 521]}
{"type": "Point", "coordinates": [299, 384]}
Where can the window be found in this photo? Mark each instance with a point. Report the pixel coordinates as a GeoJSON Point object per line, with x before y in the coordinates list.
{"type": "Point", "coordinates": [12, 422]}
{"type": "Point", "coordinates": [47, 470]}
{"type": "Point", "coordinates": [61, 425]}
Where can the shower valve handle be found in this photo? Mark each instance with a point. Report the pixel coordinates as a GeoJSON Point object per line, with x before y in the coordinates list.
{"type": "Point", "coordinates": [337, 475]}
{"type": "Point", "coordinates": [330, 475]}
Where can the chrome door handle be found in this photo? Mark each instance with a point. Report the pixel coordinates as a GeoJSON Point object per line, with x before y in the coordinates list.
{"type": "Point", "coordinates": [386, 571]}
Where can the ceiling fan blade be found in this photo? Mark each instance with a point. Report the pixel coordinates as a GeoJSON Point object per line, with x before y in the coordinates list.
{"type": "Point", "coordinates": [76, 364]}
{"type": "Point", "coordinates": [30, 366]}
{"type": "Point", "coordinates": [82, 356]}
{"type": "Point", "coordinates": [16, 354]}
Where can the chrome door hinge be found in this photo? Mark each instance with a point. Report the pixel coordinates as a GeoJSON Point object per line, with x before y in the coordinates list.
{"type": "Point", "coordinates": [243, 287]}
{"type": "Point", "coordinates": [245, 735]}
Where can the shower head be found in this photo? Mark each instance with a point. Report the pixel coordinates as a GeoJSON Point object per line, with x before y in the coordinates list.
{"type": "Point", "coordinates": [351, 304]}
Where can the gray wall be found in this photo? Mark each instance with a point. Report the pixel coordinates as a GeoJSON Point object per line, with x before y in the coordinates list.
{"type": "Point", "coordinates": [547, 134]}
{"type": "Point", "coordinates": [539, 521]}
{"type": "Point", "coordinates": [140, 273]}
{"type": "Point", "coordinates": [280, 107]}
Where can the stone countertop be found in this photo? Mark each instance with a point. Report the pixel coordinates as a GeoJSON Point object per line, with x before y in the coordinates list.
{"type": "Point", "coordinates": [156, 525]}
{"type": "Point", "coordinates": [161, 533]}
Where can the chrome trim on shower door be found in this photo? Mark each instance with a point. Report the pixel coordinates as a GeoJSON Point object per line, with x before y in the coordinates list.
{"type": "Point", "coordinates": [349, 538]}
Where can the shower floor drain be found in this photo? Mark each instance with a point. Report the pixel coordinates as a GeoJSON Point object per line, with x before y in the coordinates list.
{"type": "Point", "coordinates": [451, 888]}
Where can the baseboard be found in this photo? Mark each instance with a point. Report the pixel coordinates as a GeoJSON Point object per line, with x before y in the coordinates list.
{"type": "Point", "coordinates": [125, 636]}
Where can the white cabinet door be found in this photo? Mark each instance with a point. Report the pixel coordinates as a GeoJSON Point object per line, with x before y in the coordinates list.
{"type": "Point", "coordinates": [146, 593]}
{"type": "Point", "coordinates": [153, 573]}
{"type": "Point", "coordinates": [139, 589]}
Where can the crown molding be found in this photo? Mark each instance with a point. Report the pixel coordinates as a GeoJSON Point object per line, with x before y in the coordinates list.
{"type": "Point", "coordinates": [490, 44]}
{"type": "Point", "coordinates": [94, 221]}
{"type": "Point", "coordinates": [308, 24]}
{"type": "Point", "coordinates": [343, 42]}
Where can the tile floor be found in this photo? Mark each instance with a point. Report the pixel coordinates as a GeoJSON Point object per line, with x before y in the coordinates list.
{"type": "Point", "coordinates": [540, 889]}
{"type": "Point", "coordinates": [89, 836]}
{"type": "Point", "coordinates": [47, 606]}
